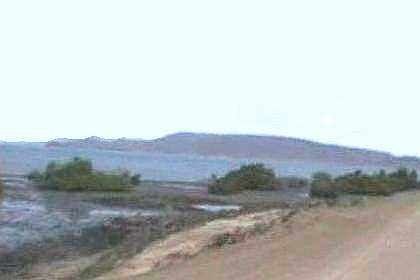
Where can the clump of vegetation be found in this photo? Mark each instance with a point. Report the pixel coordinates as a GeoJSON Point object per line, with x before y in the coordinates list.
{"type": "Point", "coordinates": [78, 175]}
{"type": "Point", "coordinates": [323, 185]}
{"type": "Point", "coordinates": [293, 182]}
{"type": "Point", "coordinates": [382, 183]}
{"type": "Point", "coordinates": [225, 239]}
{"type": "Point", "coordinates": [247, 177]}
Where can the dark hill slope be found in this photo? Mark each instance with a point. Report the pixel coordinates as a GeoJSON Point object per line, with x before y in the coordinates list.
{"type": "Point", "coordinates": [245, 146]}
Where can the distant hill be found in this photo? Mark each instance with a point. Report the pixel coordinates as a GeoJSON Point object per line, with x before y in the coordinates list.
{"type": "Point", "coordinates": [245, 146]}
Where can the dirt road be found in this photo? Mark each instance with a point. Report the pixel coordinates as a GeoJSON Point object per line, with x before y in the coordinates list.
{"type": "Point", "coordinates": [376, 241]}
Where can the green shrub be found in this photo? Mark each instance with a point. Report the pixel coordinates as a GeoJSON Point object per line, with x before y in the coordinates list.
{"type": "Point", "coordinates": [365, 185]}
{"type": "Point", "coordinates": [76, 167]}
{"type": "Point", "coordinates": [78, 175]}
{"type": "Point", "coordinates": [323, 185]}
{"type": "Point", "coordinates": [135, 180]}
{"type": "Point", "coordinates": [247, 177]}
{"type": "Point", "coordinates": [408, 179]}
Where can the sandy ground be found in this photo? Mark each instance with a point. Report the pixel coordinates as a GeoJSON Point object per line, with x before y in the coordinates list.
{"type": "Point", "coordinates": [378, 240]}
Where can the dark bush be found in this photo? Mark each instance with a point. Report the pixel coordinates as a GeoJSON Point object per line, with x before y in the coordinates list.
{"type": "Point", "coordinates": [359, 183]}
{"type": "Point", "coordinates": [76, 167]}
{"type": "Point", "coordinates": [78, 175]}
{"type": "Point", "coordinates": [247, 177]}
{"type": "Point", "coordinates": [135, 180]}
{"type": "Point", "coordinates": [323, 185]}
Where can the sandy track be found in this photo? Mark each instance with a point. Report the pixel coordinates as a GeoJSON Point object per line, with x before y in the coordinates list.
{"type": "Point", "coordinates": [377, 241]}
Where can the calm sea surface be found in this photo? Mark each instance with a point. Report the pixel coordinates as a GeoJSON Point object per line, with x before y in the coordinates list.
{"type": "Point", "coordinates": [22, 159]}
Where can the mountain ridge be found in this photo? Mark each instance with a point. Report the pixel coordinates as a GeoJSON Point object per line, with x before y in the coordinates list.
{"type": "Point", "coordinates": [267, 147]}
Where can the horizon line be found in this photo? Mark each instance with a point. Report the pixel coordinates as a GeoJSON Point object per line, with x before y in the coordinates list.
{"type": "Point", "coordinates": [220, 134]}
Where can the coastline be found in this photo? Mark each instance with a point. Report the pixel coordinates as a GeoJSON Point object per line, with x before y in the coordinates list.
{"type": "Point", "coordinates": [274, 241]}
{"type": "Point", "coordinates": [333, 242]}
{"type": "Point", "coordinates": [186, 244]}
{"type": "Point", "coordinates": [182, 209]}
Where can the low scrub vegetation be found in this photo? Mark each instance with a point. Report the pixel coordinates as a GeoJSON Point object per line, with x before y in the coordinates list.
{"type": "Point", "coordinates": [382, 183]}
{"type": "Point", "coordinates": [293, 182]}
{"type": "Point", "coordinates": [323, 185]}
{"type": "Point", "coordinates": [225, 239]}
{"type": "Point", "coordinates": [78, 175]}
{"type": "Point", "coordinates": [254, 176]}
{"type": "Point", "coordinates": [247, 177]}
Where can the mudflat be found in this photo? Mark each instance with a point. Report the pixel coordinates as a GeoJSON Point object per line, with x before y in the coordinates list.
{"type": "Point", "coordinates": [378, 239]}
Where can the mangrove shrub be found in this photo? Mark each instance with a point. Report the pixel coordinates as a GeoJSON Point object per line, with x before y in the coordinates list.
{"type": "Point", "coordinates": [79, 175]}
{"type": "Point", "coordinates": [247, 177]}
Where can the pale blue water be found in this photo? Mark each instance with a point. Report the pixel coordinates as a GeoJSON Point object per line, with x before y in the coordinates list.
{"type": "Point", "coordinates": [22, 159]}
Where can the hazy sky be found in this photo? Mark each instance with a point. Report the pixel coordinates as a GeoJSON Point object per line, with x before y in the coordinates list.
{"type": "Point", "coordinates": [344, 72]}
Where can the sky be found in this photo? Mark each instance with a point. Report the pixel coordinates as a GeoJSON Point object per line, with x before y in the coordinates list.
{"type": "Point", "coordinates": [343, 72]}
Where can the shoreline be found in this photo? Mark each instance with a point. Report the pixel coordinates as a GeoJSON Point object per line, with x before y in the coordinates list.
{"type": "Point", "coordinates": [172, 248]}
{"type": "Point", "coordinates": [296, 234]}
{"type": "Point", "coordinates": [189, 243]}
{"type": "Point", "coordinates": [179, 213]}
{"type": "Point", "coordinates": [351, 242]}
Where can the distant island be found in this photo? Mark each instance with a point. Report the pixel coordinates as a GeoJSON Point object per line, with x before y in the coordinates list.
{"type": "Point", "coordinates": [244, 146]}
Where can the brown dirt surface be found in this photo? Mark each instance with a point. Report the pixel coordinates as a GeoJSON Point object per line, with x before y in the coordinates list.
{"type": "Point", "coordinates": [376, 240]}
